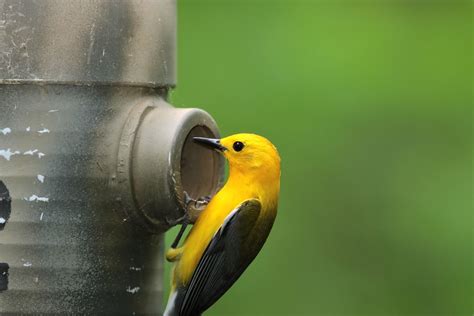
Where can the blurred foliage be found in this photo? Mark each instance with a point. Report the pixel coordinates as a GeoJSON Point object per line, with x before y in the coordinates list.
{"type": "Point", "coordinates": [370, 106]}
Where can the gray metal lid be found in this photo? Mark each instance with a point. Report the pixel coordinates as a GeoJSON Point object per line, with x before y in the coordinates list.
{"type": "Point", "coordinates": [129, 42]}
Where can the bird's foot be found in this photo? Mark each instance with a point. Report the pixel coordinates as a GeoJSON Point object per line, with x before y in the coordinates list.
{"type": "Point", "coordinates": [194, 207]}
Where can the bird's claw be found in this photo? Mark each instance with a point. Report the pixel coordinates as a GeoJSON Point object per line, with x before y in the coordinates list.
{"type": "Point", "coordinates": [206, 198]}
{"type": "Point", "coordinates": [187, 198]}
{"type": "Point", "coordinates": [194, 207]}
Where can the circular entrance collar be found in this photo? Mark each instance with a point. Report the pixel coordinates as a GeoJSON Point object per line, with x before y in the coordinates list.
{"type": "Point", "coordinates": [158, 162]}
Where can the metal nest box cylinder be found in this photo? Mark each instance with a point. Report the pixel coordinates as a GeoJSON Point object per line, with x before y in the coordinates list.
{"type": "Point", "coordinates": [93, 161]}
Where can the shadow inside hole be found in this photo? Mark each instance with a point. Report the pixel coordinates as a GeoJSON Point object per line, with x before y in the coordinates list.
{"type": "Point", "coordinates": [200, 167]}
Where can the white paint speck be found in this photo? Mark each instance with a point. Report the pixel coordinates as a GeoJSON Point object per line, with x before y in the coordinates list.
{"type": "Point", "coordinates": [133, 290]}
{"type": "Point", "coordinates": [36, 198]}
{"type": "Point", "coordinates": [52, 111]}
{"type": "Point", "coordinates": [26, 263]}
{"type": "Point", "coordinates": [2, 220]}
{"type": "Point", "coordinates": [44, 130]}
{"type": "Point", "coordinates": [5, 131]}
{"type": "Point", "coordinates": [7, 153]}
{"type": "Point", "coordinates": [28, 129]}
{"type": "Point", "coordinates": [135, 269]}
{"type": "Point", "coordinates": [36, 279]}
{"type": "Point", "coordinates": [40, 178]}
{"type": "Point", "coordinates": [30, 152]}
{"type": "Point", "coordinates": [41, 216]}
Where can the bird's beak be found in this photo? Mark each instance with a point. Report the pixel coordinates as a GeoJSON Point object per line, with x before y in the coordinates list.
{"type": "Point", "coordinates": [211, 143]}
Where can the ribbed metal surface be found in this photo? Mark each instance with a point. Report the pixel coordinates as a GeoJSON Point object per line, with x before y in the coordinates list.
{"type": "Point", "coordinates": [68, 250]}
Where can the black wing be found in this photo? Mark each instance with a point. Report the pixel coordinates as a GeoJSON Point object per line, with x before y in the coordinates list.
{"type": "Point", "coordinates": [224, 260]}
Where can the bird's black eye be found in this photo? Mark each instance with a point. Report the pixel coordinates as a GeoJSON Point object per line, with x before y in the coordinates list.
{"type": "Point", "coordinates": [238, 146]}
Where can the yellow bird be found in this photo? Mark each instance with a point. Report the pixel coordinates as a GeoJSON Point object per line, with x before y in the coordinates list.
{"type": "Point", "coordinates": [231, 230]}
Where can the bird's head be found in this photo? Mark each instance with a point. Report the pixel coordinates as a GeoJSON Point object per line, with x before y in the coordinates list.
{"type": "Point", "coordinates": [247, 153]}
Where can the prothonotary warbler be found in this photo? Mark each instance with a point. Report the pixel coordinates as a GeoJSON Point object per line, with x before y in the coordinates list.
{"type": "Point", "coordinates": [231, 230]}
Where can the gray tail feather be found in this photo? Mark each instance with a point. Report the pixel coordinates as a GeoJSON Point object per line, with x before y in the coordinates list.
{"type": "Point", "coordinates": [173, 307]}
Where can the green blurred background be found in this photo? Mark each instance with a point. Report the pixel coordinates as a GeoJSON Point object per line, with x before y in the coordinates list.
{"type": "Point", "coordinates": [370, 106]}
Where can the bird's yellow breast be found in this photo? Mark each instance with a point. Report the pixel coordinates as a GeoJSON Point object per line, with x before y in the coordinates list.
{"type": "Point", "coordinates": [203, 231]}
{"type": "Point", "coordinates": [213, 217]}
